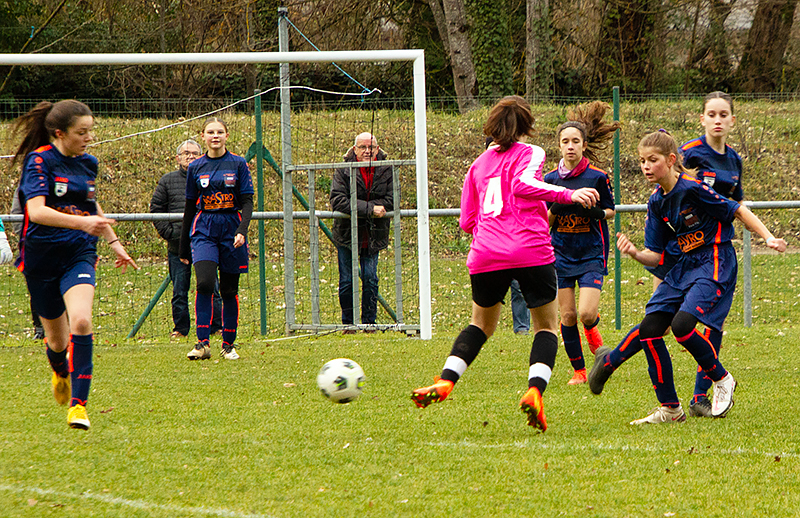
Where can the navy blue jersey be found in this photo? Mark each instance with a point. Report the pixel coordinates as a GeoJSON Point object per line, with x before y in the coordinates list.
{"type": "Point", "coordinates": [723, 172]}
{"type": "Point", "coordinates": [216, 184]}
{"type": "Point", "coordinates": [580, 242]}
{"type": "Point", "coordinates": [692, 214]}
{"type": "Point", "coordinates": [68, 185]}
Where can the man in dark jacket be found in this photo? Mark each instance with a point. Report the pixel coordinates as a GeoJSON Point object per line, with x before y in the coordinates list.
{"type": "Point", "coordinates": [170, 196]}
{"type": "Point", "coordinates": [374, 193]}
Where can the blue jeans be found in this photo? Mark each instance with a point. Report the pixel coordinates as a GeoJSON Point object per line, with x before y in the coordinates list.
{"type": "Point", "coordinates": [181, 276]}
{"type": "Point", "coordinates": [369, 285]}
{"type": "Point", "coordinates": [519, 309]}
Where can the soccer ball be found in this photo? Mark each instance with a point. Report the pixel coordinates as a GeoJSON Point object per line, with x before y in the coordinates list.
{"type": "Point", "coordinates": [341, 380]}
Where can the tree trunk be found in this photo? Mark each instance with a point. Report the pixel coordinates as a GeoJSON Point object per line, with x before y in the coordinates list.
{"type": "Point", "coordinates": [538, 55]}
{"type": "Point", "coordinates": [460, 51]}
{"type": "Point", "coordinates": [762, 60]}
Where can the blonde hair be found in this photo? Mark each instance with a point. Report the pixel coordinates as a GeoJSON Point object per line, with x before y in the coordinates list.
{"type": "Point", "coordinates": [665, 145]}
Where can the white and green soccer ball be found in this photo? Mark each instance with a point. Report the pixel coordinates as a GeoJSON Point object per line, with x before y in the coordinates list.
{"type": "Point", "coordinates": [341, 380]}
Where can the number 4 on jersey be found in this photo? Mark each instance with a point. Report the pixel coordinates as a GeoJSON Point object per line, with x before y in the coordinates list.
{"type": "Point", "coordinates": [493, 201]}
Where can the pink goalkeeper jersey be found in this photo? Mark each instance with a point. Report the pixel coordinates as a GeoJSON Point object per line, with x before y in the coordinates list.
{"type": "Point", "coordinates": [503, 207]}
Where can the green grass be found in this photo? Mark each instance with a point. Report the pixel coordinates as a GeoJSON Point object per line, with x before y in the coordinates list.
{"type": "Point", "coordinates": [170, 437]}
{"type": "Point", "coordinates": [175, 438]}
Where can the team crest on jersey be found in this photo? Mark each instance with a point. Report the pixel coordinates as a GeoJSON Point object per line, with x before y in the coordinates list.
{"type": "Point", "coordinates": [61, 186]}
{"type": "Point", "coordinates": [230, 180]}
{"type": "Point", "coordinates": [204, 181]}
{"type": "Point", "coordinates": [709, 180]}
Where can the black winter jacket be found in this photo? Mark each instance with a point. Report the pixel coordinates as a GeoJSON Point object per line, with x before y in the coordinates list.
{"type": "Point", "coordinates": [170, 196]}
{"type": "Point", "coordinates": [375, 229]}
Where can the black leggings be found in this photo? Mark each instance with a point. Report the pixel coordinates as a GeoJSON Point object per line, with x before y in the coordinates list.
{"type": "Point", "coordinates": [654, 325]}
{"type": "Point", "coordinates": [206, 273]}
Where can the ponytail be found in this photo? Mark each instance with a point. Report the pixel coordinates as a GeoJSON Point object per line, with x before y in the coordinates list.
{"type": "Point", "coordinates": [39, 125]}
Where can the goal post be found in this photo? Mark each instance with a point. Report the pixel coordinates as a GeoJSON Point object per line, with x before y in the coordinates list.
{"type": "Point", "coordinates": [415, 56]}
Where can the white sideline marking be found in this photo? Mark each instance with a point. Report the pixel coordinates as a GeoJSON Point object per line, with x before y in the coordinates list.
{"type": "Point", "coordinates": [137, 504]}
{"type": "Point", "coordinates": [607, 447]}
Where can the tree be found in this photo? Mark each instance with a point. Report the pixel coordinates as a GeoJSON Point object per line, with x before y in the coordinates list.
{"type": "Point", "coordinates": [762, 60]}
{"type": "Point", "coordinates": [538, 50]}
{"type": "Point", "coordinates": [491, 47]}
{"type": "Point", "coordinates": [625, 47]}
{"type": "Point", "coordinates": [451, 20]}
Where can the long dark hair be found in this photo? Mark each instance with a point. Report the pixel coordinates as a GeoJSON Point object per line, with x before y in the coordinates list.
{"type": "Point", "coordinates": [588, 120]}
{"type": "Point", "coordinates": [510, 119]}
{"type": "Point", "coordinates": [39, 125]}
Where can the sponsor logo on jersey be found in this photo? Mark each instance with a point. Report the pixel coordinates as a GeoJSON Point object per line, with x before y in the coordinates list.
{"type": "Point", "coordinates": [689, 242]}
{"type": "Point", "coordinates": [690, 218]}
{"type": "Point", "coordinates": [573, 224]}
{"type": "Point", "coordinates": [218, 200]}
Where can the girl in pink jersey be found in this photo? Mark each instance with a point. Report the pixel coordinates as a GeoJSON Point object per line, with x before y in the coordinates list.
{"type": "Point", "coordinates": [503, 207]}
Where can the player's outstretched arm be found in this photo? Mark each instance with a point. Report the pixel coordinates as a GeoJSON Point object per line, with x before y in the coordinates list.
{"type": "Point", "coordinates": [754, 224]}
{"type": "Point", "coordinates": [646, 257]}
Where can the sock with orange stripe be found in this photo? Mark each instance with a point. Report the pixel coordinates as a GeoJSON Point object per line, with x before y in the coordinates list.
{"type": "Point", "coordinates": [230, 319]}
{"type": "Point", "coordinates": [572, 345]}
{"type": "Point", "coordinates": [202, 310]}
{"type": "Point", "coordinates": [629, 346]}
{"type": "Point", "coordinates": [659, 367]}
{"type": "Point", "coordinates": [704, 354]}
{"type": "Point", "coordinates": [81, 368]}
{"type": "Point", "coordinates": [702, 382]}
{"type": "Point", "coordinates": [58, 361]}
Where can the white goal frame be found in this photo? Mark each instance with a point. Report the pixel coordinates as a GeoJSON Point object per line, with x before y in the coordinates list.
{"type": "Point", "coordinates": [416, 56]}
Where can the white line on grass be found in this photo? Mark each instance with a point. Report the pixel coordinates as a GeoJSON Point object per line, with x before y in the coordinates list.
{"type": "Point", "coordinates": [137, 504]}
{"type": "Point", "coordinates": [604, 447]}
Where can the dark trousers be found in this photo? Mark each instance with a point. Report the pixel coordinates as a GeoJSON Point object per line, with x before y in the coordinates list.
{"type": "Point", "coordinates": [181, 276]}
{"type": "Point", "coordinates": [369, 285]}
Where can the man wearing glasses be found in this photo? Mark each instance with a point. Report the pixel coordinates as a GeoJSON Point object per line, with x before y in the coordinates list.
{"type": "Point", "coordinates": [374, 200]}
{"type": "Point", "coordinates": [170, 196]}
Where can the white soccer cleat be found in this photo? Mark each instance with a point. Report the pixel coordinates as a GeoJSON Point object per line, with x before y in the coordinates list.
{"type": "Point", "coordinates": [723, 396]}
{"type": "Point", "coordinates": [229, 352]}
{"type": "Point", "coordinates": [663, 414]}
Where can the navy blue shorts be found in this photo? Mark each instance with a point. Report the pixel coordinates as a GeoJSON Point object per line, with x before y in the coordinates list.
{"type": "Point", "coordinates": [212, 240]}
{"type": "Point", "coordinates": [702, 284]}
{"type": "Point", "coordinates": [47, 289]}
{"type": "Point", "coordinates": [537, 284]}
{"type": "Point", "coordinates": [666, 265]}
{"type": "Point", "coordinates": [584, 280]}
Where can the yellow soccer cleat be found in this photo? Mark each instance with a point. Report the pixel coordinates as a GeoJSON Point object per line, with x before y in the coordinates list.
{"type": "Point", "coordinates": [78, 418]}
{"type": "Point", "coordinates": [61, 389]}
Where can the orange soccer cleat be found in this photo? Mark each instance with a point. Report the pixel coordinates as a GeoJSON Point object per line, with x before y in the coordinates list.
{"type": "Point", "coordinates": [593, 338]}
{"type": "Point", "coordinates": [532, 405]}
{"type": "Point", "coordinates": [439, 391]}
{"type": "Point", "coordinates": [578, 378]}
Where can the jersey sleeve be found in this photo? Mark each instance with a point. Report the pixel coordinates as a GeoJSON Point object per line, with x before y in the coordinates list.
{"type": "Point", "coordinates": [469, 204]}
{"type": "Point", "coordinates": [191, 183]}
{"type": "Point", "coordinates": [606, 192]}
{"type": "Point", "coordinates": [36, 177]}
{"type": "Point", "coordinates": [656, 232]}
{"type": "Point", "coordinates": [738, 192]}
{"type": "Point", "coordinates": [717, 206]}
{"type": "Point", "coordinates": [245, 178]}
{"type": "Point", "coordinates": [528, 183]}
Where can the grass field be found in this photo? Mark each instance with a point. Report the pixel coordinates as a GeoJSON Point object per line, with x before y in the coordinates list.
{"type": "Point", "coordinates": [173, 438]}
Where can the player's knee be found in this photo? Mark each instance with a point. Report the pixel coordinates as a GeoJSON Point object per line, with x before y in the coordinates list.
{"type": "Point", "coordinates": [228, 292]}
{"type": "Point", "coordinates": [588, 318]}
{"type": "Point", "coordinates": [206, 286]}
{"type": "Point", "coordinates": [569, 318]}
{"type": "Point", "coordinates": [654, 325]}
{"type": "Point", "coordinates": [683, 323]}
{"type": "Point", "coordinates": [80, 325]}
